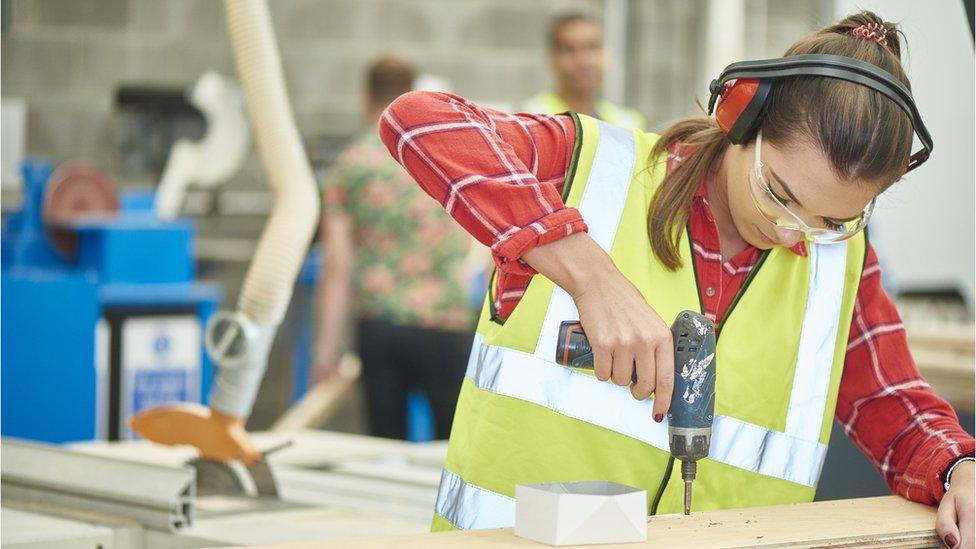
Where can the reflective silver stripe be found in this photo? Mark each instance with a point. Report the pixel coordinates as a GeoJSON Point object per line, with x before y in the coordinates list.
{"type": "Point", "coordinates": [818, 338]}
{"type": "Point", "coordinates": [467, 506]}
{"type": "Point", "coordinates": [761, 450]}
{"type": "Point", "coordinates": [606, 189]}
{"type": "Point", "coordinates": [601, 206]}
{"type": "Point", "coordinates": [734, 442]}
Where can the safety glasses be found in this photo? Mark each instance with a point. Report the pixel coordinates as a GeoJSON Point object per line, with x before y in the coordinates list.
{"type": "Point", "coordinates": [823, 231]}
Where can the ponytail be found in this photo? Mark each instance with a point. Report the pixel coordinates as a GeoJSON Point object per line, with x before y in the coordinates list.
{"type": "Point", "coordinates": [670, 208]}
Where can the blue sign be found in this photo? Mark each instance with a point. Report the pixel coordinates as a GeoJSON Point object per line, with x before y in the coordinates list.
{"type": "Point", "coordinates": [153, 388]}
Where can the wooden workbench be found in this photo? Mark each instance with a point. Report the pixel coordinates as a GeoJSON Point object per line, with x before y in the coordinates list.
{"type": "Point", "coordinates": [946, 357]}
{"type": "Point", "coordinates": [869, 522]}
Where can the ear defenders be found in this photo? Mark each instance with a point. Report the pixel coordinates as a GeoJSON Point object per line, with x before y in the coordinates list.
{"type": "Point", "coordinates": [743, 88]}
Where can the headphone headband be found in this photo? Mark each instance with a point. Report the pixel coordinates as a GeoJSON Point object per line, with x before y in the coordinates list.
{"type": "Point", "coordinates": [831, 66]}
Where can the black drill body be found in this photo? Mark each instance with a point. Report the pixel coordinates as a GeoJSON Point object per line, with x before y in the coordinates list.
{"type": "Point", "coordinates": [693, 398]}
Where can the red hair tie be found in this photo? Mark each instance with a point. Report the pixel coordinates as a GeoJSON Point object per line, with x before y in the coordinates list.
{"type": "Point", "coordinates": [872, 31]}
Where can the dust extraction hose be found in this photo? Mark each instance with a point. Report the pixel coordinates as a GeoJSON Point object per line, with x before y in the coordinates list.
{"type": "Point", "coordinates": [285, 240]}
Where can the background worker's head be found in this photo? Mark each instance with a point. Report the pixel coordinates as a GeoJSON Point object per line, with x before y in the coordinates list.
{"type": "Point", "coordinates": [577, 54]}
{"type": "Point", "coordinates": [387, 78]}
{"type": "Point", "coordinates": [834, 143]}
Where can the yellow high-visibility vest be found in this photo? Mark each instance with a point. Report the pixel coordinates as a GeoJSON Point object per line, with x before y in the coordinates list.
{"type": "Point", "coordinates": [522, 418]}
{"type": "Point", "coordinates": [551, 103]}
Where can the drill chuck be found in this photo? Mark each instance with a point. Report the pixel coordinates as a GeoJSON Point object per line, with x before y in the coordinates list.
{"type": "Point", "coordinates": [689, 444]}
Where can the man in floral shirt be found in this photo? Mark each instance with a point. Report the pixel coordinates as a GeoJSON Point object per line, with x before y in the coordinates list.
{"type": "Point", "coordinates": [397, 261]}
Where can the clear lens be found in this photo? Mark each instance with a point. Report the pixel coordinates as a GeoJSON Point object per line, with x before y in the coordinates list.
{"type": "Point", "coordinates": [777, 213]}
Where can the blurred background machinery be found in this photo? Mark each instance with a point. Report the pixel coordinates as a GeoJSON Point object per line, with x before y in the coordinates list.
{"type": "Point", "coordinates": [101, 309]}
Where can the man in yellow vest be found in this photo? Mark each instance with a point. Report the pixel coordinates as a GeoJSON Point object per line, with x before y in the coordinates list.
{"type": "Point", "coordinates": [577, 57]}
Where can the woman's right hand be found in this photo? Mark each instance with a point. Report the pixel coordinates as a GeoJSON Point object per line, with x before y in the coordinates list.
{"type": "Point", "coordinates": [623, 330]}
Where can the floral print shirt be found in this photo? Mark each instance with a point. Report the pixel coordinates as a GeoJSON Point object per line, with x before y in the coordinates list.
{"type": "Point", "coordinates": [411, 266]}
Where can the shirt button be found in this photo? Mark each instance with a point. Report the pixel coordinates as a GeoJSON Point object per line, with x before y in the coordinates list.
{"type": "Point", "coordinates": [709, 291]}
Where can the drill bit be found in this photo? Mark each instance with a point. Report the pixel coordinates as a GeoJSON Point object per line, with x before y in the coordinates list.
{"type": "Point", "coordinates": [688, 470]}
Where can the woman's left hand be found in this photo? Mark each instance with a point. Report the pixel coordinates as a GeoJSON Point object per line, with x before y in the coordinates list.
{"type": "Point", "coordinates": [955, 519]}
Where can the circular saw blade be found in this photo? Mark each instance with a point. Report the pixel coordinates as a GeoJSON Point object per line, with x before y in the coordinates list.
{"type": "Point", "coordinates": [222, 478]}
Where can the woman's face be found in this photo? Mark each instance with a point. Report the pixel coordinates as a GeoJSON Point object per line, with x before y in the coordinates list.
{"type": "Point", "coordinates": [802, 178]}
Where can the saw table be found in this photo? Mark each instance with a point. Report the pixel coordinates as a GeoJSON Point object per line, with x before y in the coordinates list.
{"type": "Point", "coordinates": [141, 495]}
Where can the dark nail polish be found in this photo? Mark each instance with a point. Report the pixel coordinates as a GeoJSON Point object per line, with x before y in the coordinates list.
{"type": "Point", "coordinates": [950, 541]}
{"type": "Point", "coordinates": [658, 418]}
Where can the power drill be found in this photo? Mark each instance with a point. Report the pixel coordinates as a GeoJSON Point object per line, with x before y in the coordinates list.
{"type": "Point", "coordinates": [693, 398]}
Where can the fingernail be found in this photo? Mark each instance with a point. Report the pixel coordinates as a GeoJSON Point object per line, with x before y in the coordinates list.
{"type": "Point", "coordinates": [950, 541]}
{"type": "Point", "coordinates": [658, 418]}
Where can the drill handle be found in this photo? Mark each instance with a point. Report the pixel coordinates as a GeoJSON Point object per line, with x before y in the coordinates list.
{"type": "Point", "coordinates": [573, 348]}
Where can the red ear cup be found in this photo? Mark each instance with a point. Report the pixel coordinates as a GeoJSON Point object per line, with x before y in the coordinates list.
{"type": "Point", "coordinates": [734, 99]}
{"type": "Point", "coordinates": [739, 108]}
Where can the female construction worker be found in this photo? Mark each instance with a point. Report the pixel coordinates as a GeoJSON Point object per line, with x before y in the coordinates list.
{"type": "Point", "coordinates": [755, 218]}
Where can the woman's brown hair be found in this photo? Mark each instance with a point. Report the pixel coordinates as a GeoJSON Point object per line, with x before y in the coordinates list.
{"type": "Point", "coordinates": [864, 134]}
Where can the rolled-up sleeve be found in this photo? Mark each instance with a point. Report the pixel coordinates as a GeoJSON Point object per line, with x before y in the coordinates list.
{"type": "Point", "coordinates": [498, 175]}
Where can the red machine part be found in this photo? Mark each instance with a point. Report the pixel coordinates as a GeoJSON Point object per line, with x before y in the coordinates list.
{"type": "Point", "coordinates": [76, 192]}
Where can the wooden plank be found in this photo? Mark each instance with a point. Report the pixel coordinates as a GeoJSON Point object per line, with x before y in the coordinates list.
{"type": "Point", "coordinates": [869, 522]}
{"type": "Point", "coordinates": [945, 353]}
{"type": "Point", "coordinates": [955, 337]}
{"type": "Point", "coordinates": [951, 374]}
{"type": "Point", "coordinates": [323, 399]}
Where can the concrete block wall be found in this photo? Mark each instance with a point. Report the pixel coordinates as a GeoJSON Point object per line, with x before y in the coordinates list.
{"type": "Point", "coordinates": [662, 58]}
{"type": "Point", "coordinates": [664, 52]}
{"type": "Point", "coordinates": [67, 57]}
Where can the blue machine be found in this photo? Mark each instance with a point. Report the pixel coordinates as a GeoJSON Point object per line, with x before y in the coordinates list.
{"type": "Point", "coordinates": [118, 328]}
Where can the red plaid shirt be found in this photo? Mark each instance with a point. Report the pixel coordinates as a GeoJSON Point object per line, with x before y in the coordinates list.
{"type": "Point", "coordinates": [501, 175]}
